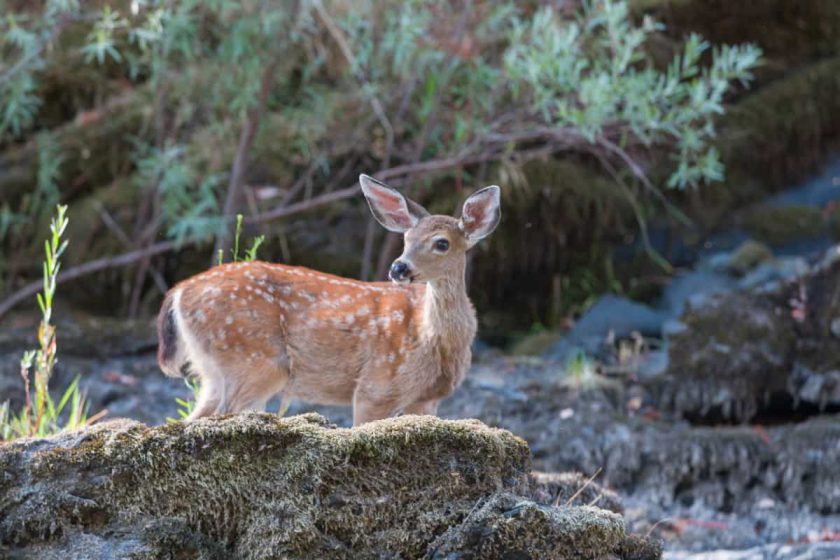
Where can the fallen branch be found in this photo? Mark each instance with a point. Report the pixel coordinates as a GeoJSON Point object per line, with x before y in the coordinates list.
{"type": "Point", "coordinates": [495, 150]}
{"type": "Point", "coordinates": [87, 268]}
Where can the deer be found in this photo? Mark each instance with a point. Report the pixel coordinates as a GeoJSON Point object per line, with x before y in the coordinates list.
{"type": "Point", "coordinates": [254, 330]}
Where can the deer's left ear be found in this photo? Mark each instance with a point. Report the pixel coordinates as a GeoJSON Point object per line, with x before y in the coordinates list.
{"type": "Point", "coordinates": [481, 214]}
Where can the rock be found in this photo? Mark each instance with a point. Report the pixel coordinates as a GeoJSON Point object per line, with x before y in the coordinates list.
{"type": "Point", "coordinates": [732, 354]}
{"type": "Point", "coordinates": [259, 486]}
{"type": "Point", "coordinates": [620, 315]}
{"type": "Point", "coordinates": [778, 225]}
{"type": "Point", "coordinates": [655, 462]}
{"type": "Point", "coordinates": [571, 488]}
{"type": "Point", "coordinates": [654, 364]}
{"type": "Point", "coordinates": [610, 313]}
{"type": "Point", "coordinates": [535, 344]}
{"type": "Point", "coordinates": [507, 526]}
{"type": "Point", "coordinates": [747, 256]}
{"type": "Point", "coordinates": [769, 274]}
{"type": "Point", "coordinates": [693, 287]}
{"type": "Point", "coordinates": [790, 551]}
{"type": "Point", "coordinates": [821, 388]}
{"type": "Point", "coordinates": [740, 352]}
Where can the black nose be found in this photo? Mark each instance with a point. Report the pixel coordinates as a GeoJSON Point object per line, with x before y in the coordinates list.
{"type": "Point", "coordinates": [399, 270]}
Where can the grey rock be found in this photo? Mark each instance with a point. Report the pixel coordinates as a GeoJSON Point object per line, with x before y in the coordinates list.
{"type": "Point", "coordinates": [610, 313]}
{"type": "Point", "coordinates": [775, 271]}
{"type": "Point", "coordinates": [693, 287]}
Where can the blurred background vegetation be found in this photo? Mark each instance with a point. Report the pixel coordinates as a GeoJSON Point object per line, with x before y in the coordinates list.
{"type": "Point", "coordinates": [617, 130]}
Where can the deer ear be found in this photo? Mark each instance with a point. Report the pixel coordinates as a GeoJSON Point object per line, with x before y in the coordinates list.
{"type": "Point", "coordinates": [481, 214]}
{"type": "Point", "coordinates": [390, 208]}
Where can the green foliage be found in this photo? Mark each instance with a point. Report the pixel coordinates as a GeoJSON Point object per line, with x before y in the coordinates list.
{"type": "Point", "coordinates": [188, 200]}
{"type": "Point", "coordinates": [41, 416]}
{"type": "Point", "coordinates": [582, 374]}
{"type": "Point", "coordinates": [593, 73]}
{"type": "Point", "coordinates": [186, 406]}
{"type": "Point", "coordinates": [250, 254]}
{"type": "Point", "coordinates": [326, 84]}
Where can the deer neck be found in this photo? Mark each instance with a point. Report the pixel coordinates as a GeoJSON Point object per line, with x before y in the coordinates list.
{"type": "Point", "coordinates": [448, 316]}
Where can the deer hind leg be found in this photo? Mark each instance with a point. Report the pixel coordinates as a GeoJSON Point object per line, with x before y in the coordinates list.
{"type": "Point", "coordinates": [422, 407]}
{"type": "Point", "coordinates": [208, 400]}
{"type": "Point", "coordinates": [250, 387]}
{"type": "Point", "coordinates": [367, 408]}
{"type": "Point", "coordinates": [202, 363]}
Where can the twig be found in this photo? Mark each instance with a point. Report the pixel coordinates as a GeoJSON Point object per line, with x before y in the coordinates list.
{"type": "Point", "coordinates": [643, 178]}
{"type": "Point", "coordinates": [115, 228]}
{"type": "Point", "coordinates": [580, 490]}
{"type": "Point", "coordinates": [283, 211]}
{"type": "Point", "coordinates": [657, 524]}
{"type": "Point", "coordinates": [637, 212]}
{"type": "Point", "coordinates": [376, 105]}
{"type": "Point", "coordinates": [378, 109]}
{"type": "Point", "coordinates": [243, 148]}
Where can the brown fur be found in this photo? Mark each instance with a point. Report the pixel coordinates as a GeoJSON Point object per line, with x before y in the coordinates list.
{"type": "Point", "coordinates": [253, 330]}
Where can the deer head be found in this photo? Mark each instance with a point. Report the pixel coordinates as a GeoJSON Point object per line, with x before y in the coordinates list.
{"type": "Point", "coordinates": [435, 246]}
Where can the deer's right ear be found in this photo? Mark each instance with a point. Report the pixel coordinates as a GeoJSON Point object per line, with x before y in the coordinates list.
{"type": "Point", "coordinates": [390, 208]}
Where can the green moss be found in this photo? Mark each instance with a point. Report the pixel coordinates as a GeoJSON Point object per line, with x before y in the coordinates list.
{"type": "Point", "coordinates": [778, 225]}
{"type": "Point", "coordinates": [749, 255]}
{"type": "Point", "coordinates": [786, 31]}
{"type": "Point", "coordinates": [267, 486]}
{"type": "Point", "coordinates": [259, 486]}
{"type": "Point", "coordinates": [783, 131]}
{"type": "Point", "coordinates": [508, 527]}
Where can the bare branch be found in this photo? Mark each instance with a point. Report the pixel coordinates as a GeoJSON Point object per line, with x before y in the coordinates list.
{"type": "Point", "coordinates": [87, 268]}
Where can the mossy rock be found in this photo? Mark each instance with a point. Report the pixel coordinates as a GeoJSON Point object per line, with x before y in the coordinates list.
{"type": "Point", "coordinates": [738, 352]}
{"type": "Point", "coordinates": [777, 225]}
{"type": "Point", "coordinates": [748, 255]}
{"type": "Point", "coordinates": [782, 132]}
{"type": "Point", "coordinates": [572, 489]}
{"type": "Point", "coordinates": [733, 353]}
{"type": "Point", "coordinates": [259, 486]}
{"type": "Point", "coordinates": [507, 526]}
{"type": "Point", "coordinates": [788, 32]}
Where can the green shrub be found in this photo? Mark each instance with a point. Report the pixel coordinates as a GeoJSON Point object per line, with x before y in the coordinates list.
{"type": "Point", "coordinates": [41, 415]}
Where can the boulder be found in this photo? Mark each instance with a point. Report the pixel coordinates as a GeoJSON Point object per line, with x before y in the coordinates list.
{"type": "Point", "coordinates": [505, 526]}
{"type": "Point", "coordinates": [775, 350]}
{"type": "Point", "coordinates": [259, 486]}
{"type": "Point", "coordinates": [609, 314]}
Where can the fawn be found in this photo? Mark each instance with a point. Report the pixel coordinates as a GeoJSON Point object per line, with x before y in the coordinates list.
{"type": "Point", "coordinates": [251, 330]}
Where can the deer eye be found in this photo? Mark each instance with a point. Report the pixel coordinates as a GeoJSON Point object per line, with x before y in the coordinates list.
{"type": "Point", "coordinates": [441, 245]}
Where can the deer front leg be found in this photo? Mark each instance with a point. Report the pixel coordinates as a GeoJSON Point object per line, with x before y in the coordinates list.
{"type": "Point", "coordinates": [422, 407]}
{"type": "Point", "coordinates": [367, 409]}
